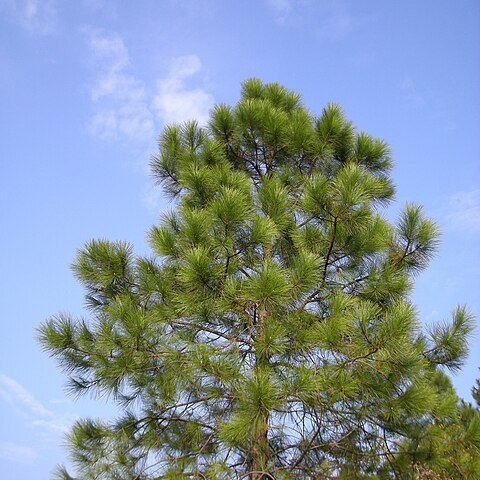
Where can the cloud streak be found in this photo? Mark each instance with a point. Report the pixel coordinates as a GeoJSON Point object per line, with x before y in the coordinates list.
{"type": "Point", "coordinates": [174, 101]}
{"type": "Point", "coordinates": [18, 396]}
{"type": "Point", "coordinates": [31, 409]}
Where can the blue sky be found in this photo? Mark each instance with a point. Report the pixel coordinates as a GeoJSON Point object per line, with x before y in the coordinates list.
{"type": "Point", "coordinates": [86, 86]}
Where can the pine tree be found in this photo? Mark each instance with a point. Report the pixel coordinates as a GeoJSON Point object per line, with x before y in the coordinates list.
{"type": "Point", "coordinates": [270, 335]}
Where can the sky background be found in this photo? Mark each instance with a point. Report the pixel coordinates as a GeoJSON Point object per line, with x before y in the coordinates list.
{"type": "Point", "coordinates": [86, 87]}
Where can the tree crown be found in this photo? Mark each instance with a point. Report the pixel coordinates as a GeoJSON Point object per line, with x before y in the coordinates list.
{"type": "Point", "coordinates": [271, 334]}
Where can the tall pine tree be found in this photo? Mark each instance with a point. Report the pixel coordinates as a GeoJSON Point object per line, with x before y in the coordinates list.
{"type": "Point", "coordinates": [270, 335]}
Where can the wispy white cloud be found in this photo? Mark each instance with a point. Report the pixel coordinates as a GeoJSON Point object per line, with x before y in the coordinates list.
{"type": "Point", "coordinates": [14, 452]}
{"type": "Point", "coordinates": [35, 16]}
{"type": "Point", "coordinates": [123, 107]}
{"type": "Point", "coordinates": [120, 98]}
{"type": "Point", "coordinates": [175, 101]}
{"type": "Point", "coordinates": [18, 396]}
{"type": "Point", "coordinates": [30, 408]}
{"type": "Point", "coordinates": [55, 424]}
{"type": "Point", "coordinates": [464, 211]}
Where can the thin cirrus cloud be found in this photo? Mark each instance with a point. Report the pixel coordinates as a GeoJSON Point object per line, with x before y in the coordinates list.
{"type": "Point", "coordinates": [34, 413]}
{"type": "Point", "coordinates": [123, 107]}
{"type": "Point", "coordinates": [35, 16]}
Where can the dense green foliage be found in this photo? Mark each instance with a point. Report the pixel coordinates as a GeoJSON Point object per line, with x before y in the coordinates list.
{"type": "Point", "coordinates": [270, 335]}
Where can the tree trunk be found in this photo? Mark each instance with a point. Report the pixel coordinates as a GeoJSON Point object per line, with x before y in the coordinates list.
{"type": "Point", "coordinates": [259, 451]}
{"type": "Point", "coordinates": [259, 448]}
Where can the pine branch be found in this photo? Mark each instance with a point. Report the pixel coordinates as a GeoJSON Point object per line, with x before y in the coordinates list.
{"type": "Point", "coordinates": [203, 327]}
